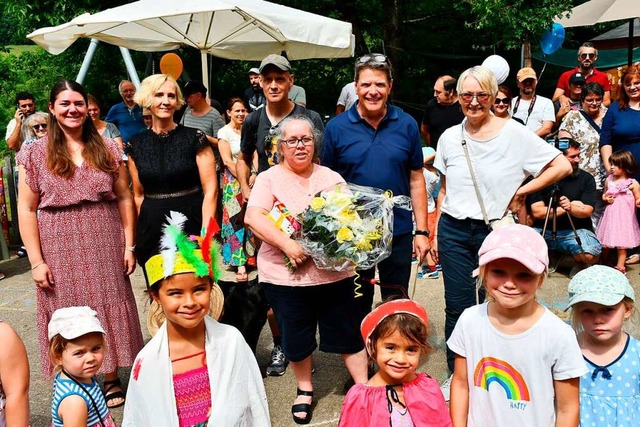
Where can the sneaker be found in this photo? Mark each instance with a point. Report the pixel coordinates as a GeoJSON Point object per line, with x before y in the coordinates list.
{"type": "Point", "coordinates": [278, 364]}
{"type": "Point", "coordinates": [432, 275]}
{"type": "Point", "coordinates": [439, 267]}
{"type": "Point", "coordinates": [445, 388]}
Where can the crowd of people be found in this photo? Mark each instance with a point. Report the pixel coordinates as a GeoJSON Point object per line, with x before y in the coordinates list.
{"type": "Point", "coordinates": [178, 196]}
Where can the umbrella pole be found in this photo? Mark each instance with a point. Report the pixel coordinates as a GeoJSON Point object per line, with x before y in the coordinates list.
{"type": "Point", "coordinates": [131, 69]}
{"type": "Point", "coordinates": [205, 71]}
{"type": "Point", "coordinates": [88, 57]}
{"type": "Point", "coordinates": [630, 52]}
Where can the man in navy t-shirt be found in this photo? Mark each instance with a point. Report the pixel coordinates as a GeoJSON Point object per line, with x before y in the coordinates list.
{"type": "Point", "coordinates": [378, 145]}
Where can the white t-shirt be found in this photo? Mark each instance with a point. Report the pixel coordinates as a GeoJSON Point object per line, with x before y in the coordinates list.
{"type": "Point", "coordinates": [431, 179]}
{"type": "Point", "coordinates": [232, 138]}
{"type": "Point", "coordinates": [501, 164]}
{"type": "Point", "coordinates": [10, 128]}
{"type": "Point", "coordinates": [511, 376]}
{"type": "Point", "coordinates": [542, 111]}
{"type": "Point", "coordinates": [348, 95]}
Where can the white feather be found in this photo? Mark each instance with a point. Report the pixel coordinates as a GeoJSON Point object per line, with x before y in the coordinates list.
{"type": "Point", "coordinates": [168, 244]}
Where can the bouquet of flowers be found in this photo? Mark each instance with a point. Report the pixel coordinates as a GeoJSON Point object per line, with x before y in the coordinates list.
{"type": "Point", "coordinates": [349, 225]}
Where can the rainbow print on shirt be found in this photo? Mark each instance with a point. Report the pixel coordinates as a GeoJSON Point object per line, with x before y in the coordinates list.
{"type": "Point", "coordinates": [490, 370]}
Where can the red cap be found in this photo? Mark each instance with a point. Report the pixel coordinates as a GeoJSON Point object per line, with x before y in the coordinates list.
{"type": "Point", "coordinates": [373, 319]}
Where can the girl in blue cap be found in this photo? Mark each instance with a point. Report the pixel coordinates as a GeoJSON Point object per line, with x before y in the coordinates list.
{"type": "Point", "coordinates": [601, 300]}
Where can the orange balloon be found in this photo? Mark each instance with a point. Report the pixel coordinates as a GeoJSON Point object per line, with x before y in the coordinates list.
{"type": "Point", "coordinates": [171, 64]}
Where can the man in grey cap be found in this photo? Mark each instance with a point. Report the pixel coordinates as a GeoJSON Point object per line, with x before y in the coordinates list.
{"type": "Point", "coordinates": [258, 134]}
{"type": "Point", "coordinates": [254, 95]}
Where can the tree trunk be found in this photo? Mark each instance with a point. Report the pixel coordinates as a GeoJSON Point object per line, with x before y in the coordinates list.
{"type": "Point", "coordinates": [527, 52]}
{"type": "Point", "coordinates": [392, 32]}
{"type": "Point", "coordinates": [349, 12]}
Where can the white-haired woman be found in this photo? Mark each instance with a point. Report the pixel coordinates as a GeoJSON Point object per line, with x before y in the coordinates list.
{"type": "Point", "coordinates": [172, 168]}
{"type": "Point", "coordinates": [502, 153]}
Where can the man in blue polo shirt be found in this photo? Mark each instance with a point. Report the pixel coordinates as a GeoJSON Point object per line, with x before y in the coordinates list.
{"type": "Point", "coordinates": [127, 115]}
{"type": "Point", "coordinates": [378, 145]}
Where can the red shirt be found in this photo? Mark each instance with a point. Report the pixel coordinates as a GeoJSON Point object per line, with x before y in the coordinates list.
{"type": "Point", "coordinates": [595, 76]}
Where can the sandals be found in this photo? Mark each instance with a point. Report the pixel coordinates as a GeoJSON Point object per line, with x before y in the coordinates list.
{"type": "Point", "coordinates": [242, 276]}
{"type": "Point", "coordinates": [632, 259]}
{"type": "Point", "coordinates": [303, 407]}
{"type": "Point", "coordinates": [622, 270]}
{"type": "Point", "coordinates": [110, 385]}
{"type": "Point", "coordinates": [22, 252]}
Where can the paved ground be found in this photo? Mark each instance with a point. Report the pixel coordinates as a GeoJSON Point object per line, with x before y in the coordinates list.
{"type": "Point", "coordinates": [17, 306]}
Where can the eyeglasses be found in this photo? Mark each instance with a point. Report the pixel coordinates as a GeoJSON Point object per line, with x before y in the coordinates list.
{"type": "Point", "coordinates": [593, 101]}
{"type": "Point", "coordinates": [372, 57]}
{"type": "Point", "coordinates": [481, 97]}
{"type": "Point", "coordinates": [499, 101]}
{"type": "Point", "coordinates": [293, 142]}
{"type": "Point", "coordinates": [40, 126]}
{"type": "Point", "coordinates": [587, 55]}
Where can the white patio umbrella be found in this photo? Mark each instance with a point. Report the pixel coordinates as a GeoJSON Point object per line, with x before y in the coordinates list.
{"type": "Point", "coordinates": [596, 11]}
{"type": "Point", "coordinates": [232, 29]}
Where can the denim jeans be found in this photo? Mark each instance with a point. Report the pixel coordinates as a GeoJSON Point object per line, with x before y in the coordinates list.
{"type": "Point", "coordinates": [458, 245]}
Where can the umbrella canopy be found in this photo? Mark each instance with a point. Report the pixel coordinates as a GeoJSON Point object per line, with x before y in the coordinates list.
{"type": "Point", "coordinates": [232, 29]}
{"type": "Point", "coordinates": [595, 11]}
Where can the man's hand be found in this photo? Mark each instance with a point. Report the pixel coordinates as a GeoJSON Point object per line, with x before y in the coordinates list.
{"type": "Point", "coordinates": [565, 203]}
{"type": "Point", "coordinates": [19, 115]}
{"type": "Point", "coordinates": [421, 247]}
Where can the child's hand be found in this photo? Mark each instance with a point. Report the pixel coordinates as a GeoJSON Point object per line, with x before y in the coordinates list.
{"type": "Point", "coordinates": [638, 203]}
{"type": "Point", "coordinates": [608, 198]}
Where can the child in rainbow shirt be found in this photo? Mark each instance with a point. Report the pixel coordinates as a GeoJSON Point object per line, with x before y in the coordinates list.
{"type": "Point", "coordinates": [517, 364]}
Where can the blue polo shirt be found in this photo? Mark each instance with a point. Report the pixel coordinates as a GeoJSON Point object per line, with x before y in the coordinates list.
{"type": "Point", "coordinates": [129, 122]}
{"type": "Point", "coordinates": [381, 158]}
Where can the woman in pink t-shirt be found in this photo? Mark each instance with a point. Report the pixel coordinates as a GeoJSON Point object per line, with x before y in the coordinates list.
{"type": "Point", "coordinates": [307, 298]}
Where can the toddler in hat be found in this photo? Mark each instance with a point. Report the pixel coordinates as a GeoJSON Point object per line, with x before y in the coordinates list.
{"type": "Point", "coordinates": [517, 364]}
{"type": "Point", "coordinates": [396, 335]}
{"type": "Point", "coordinates": [601, 300]}
{"type": "Point", "coordinates": [76, 348]}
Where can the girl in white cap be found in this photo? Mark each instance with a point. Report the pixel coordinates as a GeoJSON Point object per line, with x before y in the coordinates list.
{"type": "Point", "coordinates": [517, 364]}
{"type": "Point", "coordinates": [195, 371]}
{"type": "Point", "coordinates": [76, 348]}
{"type": "Point", "coordinates": [396, 335]}
{"type": "Point", "coordinates": [601, 300]}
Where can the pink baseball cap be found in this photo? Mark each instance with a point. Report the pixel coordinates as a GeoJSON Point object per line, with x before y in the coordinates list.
{"type": "Point", "coordinates": [517, 242]}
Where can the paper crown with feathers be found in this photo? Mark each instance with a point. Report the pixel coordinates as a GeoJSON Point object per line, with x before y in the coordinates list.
{"type": "Point", "coordinates": [180, 253]}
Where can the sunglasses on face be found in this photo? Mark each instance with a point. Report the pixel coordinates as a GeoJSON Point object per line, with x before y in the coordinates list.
{"type": "Point", "coordinates": [587, 55]}
{"type": "Point", "coordinates": [499, 101]}
{"type": "Point", "coordinates": [40, 126]}
{"type": "Point", "coordinates": [372, 57]}
{"type": "Point", "coordinates": [481, 97]}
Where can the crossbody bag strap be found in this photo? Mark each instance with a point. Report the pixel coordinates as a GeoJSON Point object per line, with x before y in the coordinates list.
{"type": "Point", "coordinates": [485, 217]}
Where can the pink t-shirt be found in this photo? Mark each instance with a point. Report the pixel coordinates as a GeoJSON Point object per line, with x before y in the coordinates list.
{"type": "Point", "coordinates": [295, 192]}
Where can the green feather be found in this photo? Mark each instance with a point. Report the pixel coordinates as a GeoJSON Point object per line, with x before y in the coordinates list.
{"type": "Point", "coordinates": [187, 250]}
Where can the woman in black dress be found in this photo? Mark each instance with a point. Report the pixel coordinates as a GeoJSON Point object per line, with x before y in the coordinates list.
{"type": "Point", "coordinates": [172, 168]}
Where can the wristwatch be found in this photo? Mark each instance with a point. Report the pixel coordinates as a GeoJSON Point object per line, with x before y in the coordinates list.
{"type": "Point", "coordinates": [422, 233]}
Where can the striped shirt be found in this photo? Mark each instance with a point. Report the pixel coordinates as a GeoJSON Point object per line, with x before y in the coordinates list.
{"type": "Point", "coordinates": [63, 387]}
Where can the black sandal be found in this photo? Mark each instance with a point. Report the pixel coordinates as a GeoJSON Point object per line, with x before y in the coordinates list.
{"type": "Point", "coordinates": [110, 385]}
{"type": "Point", "coordinates": [303, 407]}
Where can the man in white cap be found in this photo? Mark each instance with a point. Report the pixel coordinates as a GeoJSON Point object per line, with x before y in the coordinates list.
{"type": "Point", "coordinates": [532, 110]}
{"type": "Point", "coordinates": [254, 96]}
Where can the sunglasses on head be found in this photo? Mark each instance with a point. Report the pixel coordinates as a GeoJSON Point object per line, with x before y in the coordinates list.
{"type": "Point", "coordinates": [372, 57]}
{"type": "Point", "coordinates": [40, 126]}
{"type": "Point", "coordinates": [587, 55]}
{"type": "Point", "coordinates": [499, 101]}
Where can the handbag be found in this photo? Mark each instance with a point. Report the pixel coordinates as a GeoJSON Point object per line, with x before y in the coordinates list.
{"type": "Point", "coordinates": [509, 218]}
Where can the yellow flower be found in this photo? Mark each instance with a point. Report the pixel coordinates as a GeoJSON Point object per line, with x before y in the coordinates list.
{"type": "Point", "coordinates": [344, 235]}
{"type": "Point", "coordinates": [317, 203]}
{"type": "Point", "coordinates": [364, 245]}
{"type": "Point", "coordinates": [372, 235]}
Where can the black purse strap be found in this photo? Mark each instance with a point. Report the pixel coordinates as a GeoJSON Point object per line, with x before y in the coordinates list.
{"type": "Point", "coordinates": [589, 119]}
{"type": "Point", "coordinates": [93, 402]}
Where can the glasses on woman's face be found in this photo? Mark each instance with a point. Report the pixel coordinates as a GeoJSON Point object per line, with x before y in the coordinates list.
{"type": "Point", "coordinates": [587, 55]}
{"type": "Point", "coordinates": [499, 101]}
{"type": "Point", "coordinates": [593, 101]}
{"type": "Point", "coordinates": [39, 126]}
{"type": "Point", "coordinates": [294, 142]}
{"type": "Point", "coordinates": [481, 97]}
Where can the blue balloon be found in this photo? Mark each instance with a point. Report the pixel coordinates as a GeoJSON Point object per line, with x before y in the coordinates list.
{"type": "Point", "coordinates": [552, 39]}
